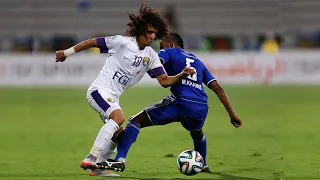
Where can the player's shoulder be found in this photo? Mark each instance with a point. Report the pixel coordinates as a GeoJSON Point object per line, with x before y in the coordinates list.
{"type": "Point", "coordinates": [189, 54]}
{"type": "Point", "coordinates": [194, 57]}
{"type": "Point", "coordinates": [121, 39]}
{"type": "Point", "coordinates": [115, 39]}
{"type": "Point", "coordinates": [125, 39]}
{"type": "Point", "coordinates": [169, 50]}
{"type": "Point", "coordinates": [151, 51]}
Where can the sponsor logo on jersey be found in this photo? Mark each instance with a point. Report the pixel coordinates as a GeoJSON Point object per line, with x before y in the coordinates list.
{"type": "Point", "coordinates": [121, 78]}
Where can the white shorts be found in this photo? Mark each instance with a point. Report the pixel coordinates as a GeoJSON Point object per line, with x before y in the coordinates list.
{"type": "Point", "coordinates": [103, 102]}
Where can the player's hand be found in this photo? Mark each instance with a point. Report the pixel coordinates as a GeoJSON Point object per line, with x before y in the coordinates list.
{"type": "Point", "coordinates": [60, 56]}
{"type": "Point", "coordinates": [187, 71]}
{"type": "Point", "coordinates": [235, 121]}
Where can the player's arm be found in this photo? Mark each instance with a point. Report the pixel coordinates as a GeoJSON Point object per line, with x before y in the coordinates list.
{"type": "Point", "coordinates": [61, 55]}
{"type": "Point", "coordinates": [159, 72]}
{"type": "Point", "coordinates": [166, 81]}
{"type": "Point", "coordinates": [108, 44]}
{"type": "Point", "coordinates": [215, 87]}
{"type": "Point", "coordinates": [212, 83]}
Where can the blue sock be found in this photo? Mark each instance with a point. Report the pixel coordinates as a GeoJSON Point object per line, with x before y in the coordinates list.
{"type": "Point", "coordinates": [128, 137]}
{"type": "Point", "coordinates": [201, 147]}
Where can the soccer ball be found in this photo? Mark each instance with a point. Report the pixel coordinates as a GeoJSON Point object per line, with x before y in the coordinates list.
{"type": "Point", "coordinates": [190, 162]}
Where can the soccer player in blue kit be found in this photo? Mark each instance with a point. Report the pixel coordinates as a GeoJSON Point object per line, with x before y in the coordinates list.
{"type": "Point", "coordinates": [187, 104]}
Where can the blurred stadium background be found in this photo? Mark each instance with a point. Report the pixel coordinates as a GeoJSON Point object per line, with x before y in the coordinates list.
{"type": "Point", "coordinates": [265, 53]}
{"type": "Point", "coordinates": [242, 25]}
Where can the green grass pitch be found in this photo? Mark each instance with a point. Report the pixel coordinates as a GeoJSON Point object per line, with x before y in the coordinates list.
{"type": "Point", "coordinates": [46, 132]}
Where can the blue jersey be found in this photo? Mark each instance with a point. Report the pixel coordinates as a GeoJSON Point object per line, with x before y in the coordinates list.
{"type": "Point", "coordinates": [190, 88]}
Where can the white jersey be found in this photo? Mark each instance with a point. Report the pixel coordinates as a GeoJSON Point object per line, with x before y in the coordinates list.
{"type": "Point", "coordinates": [126, 64]}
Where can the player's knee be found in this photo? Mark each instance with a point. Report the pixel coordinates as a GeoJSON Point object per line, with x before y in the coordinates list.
{"type": "Point", "coordinates": [135, 121]}
{"type": "Point", "coordinates": [141, 120]}
{"type": "Point", "coordinates": [119, 120]}
{"type": "Point", "coordinates": [117, 116]}
{"type": "Point", "coordinates": [196, 135]}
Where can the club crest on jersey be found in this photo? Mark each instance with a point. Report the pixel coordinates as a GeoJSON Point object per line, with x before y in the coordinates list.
{"type": "Point", "coordinates": [111, 100]}
{"type": "Point", "coordinates": [145, 61]}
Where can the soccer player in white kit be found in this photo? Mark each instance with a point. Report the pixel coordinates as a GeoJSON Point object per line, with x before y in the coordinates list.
{"type": "Point", "coordinates": [130, 57]}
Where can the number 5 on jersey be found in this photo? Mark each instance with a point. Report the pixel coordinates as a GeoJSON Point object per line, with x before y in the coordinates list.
{"type": "Point", "coordinates": [193, 76]}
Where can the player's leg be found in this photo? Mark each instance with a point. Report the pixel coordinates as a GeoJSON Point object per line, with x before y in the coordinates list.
{"type": "Point", "coordinates": [200, 145]}
{"type": "Point", "coordinates": [161, 113]}
{"type": "Point", "coordinates": [105, 155]}
{"type": "Point", "coordinates": [102, 144]}
{"type": "Point", "coordinates": [128, 137]}
{"type": "Point", "coordinates": [141, 120]}
{"type": "Point", "coordinates": [114, 117]}
{"type": "Point", "coordinates": [130, 134]}
{"type": "Point", "coordinates": [194, 121]}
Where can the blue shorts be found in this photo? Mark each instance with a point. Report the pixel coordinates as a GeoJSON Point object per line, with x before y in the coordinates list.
{"type": "Point", "coordinates": [190, 114]}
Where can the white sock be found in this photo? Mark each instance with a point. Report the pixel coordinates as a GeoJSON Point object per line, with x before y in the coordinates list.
{"type": "Point", "coordinates": [107, 152]}
{"type": "Point", "coordinates": [103, 140]}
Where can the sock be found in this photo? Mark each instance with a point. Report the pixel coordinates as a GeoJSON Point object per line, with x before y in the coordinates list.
{"type": "Point", "coordinates": [103, 140]}
{"type": "Point", "coordinates": [201, 147]}
{"type": "Point", "coordinates": [129, 136]}
{"type": "Point", "coordinates": [107, 153]}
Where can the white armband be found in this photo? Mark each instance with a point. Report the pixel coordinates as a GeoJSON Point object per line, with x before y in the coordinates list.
{"type": "Point", "coordinates": [69, 52]}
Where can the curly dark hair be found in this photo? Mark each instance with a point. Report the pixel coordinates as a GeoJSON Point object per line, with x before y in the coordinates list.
{"type": "Point", "coordinates": [147, 16]}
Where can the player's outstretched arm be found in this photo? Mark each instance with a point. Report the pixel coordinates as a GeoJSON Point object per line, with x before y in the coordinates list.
{"type": "Point", "coordinates": [61, 55]}
{"type": "Point", "coordinates": [235, 120]}
{"type": "Point", "coordinates": [167, 81]}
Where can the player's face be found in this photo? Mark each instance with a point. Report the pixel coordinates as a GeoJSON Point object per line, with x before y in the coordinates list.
{"type": "Point", "coordinates": [164, 44]}
{"type": "Point", "coordinates": [150, 35]}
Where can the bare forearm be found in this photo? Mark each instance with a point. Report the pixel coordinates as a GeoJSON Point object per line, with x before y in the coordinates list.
{"type": "Point", "coordinates": [225, 101]}
{"type": "Point", "coordinates": [222, 97]}
{"type": "Point", "coordinates": [61, 55]}
{"type": "Point", "coordinates": [85, 45]}
{"type": "Point", "coordinates": [169, 80]}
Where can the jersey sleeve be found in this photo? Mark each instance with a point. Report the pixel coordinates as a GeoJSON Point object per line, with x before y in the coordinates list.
{"type": "Point", "coordinates": [164, 56]}
{"type": "Point", "coordinates": [207, 76]}
{"type": "Point", "coordinates": [155, 68]}
{"type": "Point", "coordinates": [109, 44]}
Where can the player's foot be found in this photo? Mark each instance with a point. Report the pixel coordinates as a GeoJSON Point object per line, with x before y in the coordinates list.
{"type": "Point", "coordinates": [89, 163]}
{"type": "Point", "coordinates": [118, 166]}
{"type": "Point", "coordinates": [206, 169]}
{"type": "Point", "coordinates": [99, 172]}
